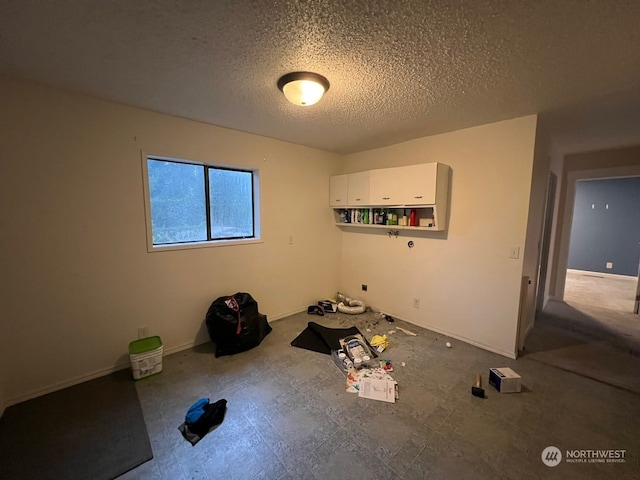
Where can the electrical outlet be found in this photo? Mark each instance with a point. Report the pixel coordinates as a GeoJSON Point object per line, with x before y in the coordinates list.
{"type": "Point", "coordinates": [364, 287]}
{"type": "Point", "coordinates": [514, 252]}
{"type": "Point", "coordinates": [143, 332]}
{"type": "Point", "coordinates": [609, 265]}
{"type": "Point", "coordinates": [416, 303]}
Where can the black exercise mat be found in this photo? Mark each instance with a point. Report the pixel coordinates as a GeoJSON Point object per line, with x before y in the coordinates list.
{"type": "Point", "coordinates": [324, 339]}
{"type": "Point", "coordinates": [94, 430]}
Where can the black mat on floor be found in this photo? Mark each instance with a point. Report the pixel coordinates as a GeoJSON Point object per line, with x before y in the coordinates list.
{"type": "Point", "coordinates": [324, 339]}
{"type": "Point", "coordinates": [94, 430]}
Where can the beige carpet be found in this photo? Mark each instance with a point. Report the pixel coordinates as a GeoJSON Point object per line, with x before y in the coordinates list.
{"type": "Point", "coordinates": [593, 333]}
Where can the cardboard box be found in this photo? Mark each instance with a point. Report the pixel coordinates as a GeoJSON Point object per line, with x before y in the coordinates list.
{"type": "Point", "coordinates": [505, 380]}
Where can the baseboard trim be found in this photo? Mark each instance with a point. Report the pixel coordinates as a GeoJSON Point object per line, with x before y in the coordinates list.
{"type": "Point", "coordinates": [67, 383]}
{"type": "Point", "coordinates": [513, 355]}
{"type": "Point", "coordinates": [589, 273]}
{"type": "Point", "coordinates": [120, 366]}
{"type": "Point", "coordinates": [288, 314]}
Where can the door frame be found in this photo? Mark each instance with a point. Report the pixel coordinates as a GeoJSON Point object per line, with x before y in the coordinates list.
{"type": "Point", "coordinates": [543, 262]}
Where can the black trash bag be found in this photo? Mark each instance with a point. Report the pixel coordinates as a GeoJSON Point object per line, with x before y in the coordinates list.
{"type": "Point", "coordinates": [235, 325]}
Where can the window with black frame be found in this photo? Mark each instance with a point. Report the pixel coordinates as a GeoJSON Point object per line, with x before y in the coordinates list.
{"type": "Point", "coordinates": [193, 203]}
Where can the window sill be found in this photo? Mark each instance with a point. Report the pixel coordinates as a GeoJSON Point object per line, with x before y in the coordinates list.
{"type": "Point", "coordinates": [190, 246]}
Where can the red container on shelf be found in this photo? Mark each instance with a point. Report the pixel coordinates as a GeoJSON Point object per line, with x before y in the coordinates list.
{"type": "Point", "coordinates": [413, 221]}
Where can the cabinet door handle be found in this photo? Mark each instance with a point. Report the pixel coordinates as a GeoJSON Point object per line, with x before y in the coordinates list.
{"type": "Point", "coordinates": [385, 198]}
{"type": "Point", "coordinates": [357, 199]}
{"type": "Point", "coordinates": [338, 200]}
{"type": "Point", "coordinates": [419, 196]}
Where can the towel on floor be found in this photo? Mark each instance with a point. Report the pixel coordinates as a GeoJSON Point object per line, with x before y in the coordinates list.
{"type": "Point", "coordinates": [212, 416]}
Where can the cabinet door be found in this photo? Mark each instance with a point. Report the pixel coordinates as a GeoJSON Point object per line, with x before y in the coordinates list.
{"type": "Point", "coordinates": [419, 184]}
{"type": "Point", "coordinates": [338, 191]}
{"type": "Point", "coordinates": [358, 189]}
{"type": "Point", "coordinates": [386, 187]}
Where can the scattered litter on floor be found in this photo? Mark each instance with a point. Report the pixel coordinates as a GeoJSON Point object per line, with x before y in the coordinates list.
{"type": "Point", "coordinates": [378, 389]}
{"type": "Point", "coordinates": [369, 330]}
{"type": "Point", "coordinates": [373, 383]}
{"type": "Point", "coordinates": [403, 364]}
{"type": "Point", "coordinates": [448, 344]}
{"type": "Point", "coordinates": [329, 305]}
{"type": "Point", "coordinates": [379, 342]}
{"type": "Point", "coordinates": [408, 332]}
{"type": "Point", "coordinates": [391, 332]}
{"type": "Point", "coordinates": [386, 365]}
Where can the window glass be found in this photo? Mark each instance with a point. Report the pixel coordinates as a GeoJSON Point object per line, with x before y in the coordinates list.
{"type": "Point", "coordinates": [195, 203]}
{"type": "Point", "coordinates": [231, 200]}
{"type": "Point", "coordinates": [178, 209]}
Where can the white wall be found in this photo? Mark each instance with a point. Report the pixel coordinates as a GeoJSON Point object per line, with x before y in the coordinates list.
{"type": "Point", "coordinates": [77, 278]}
{"type": "Point", "coordinates": [467, 285]}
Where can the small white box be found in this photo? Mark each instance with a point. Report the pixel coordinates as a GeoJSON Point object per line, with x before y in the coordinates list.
{"type": "Point", "coordinates": [505, 380]}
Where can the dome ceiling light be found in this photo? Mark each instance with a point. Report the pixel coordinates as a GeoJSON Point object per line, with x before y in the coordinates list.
{"type": "Point", "coordinates": [303, 88]}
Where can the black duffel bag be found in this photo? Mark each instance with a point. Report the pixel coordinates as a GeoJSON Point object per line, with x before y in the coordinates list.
{"type": "Point", "coordinates": [235, 325]}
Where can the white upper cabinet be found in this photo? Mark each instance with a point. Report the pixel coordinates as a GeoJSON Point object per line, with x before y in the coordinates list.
{"type": "Point", "coordinates": [419, 183]}
{"type": "Point", "coordinates": [358, 189]}
{"type": "Point", "coordinates": [423, 188]}
{"type": "Point", "coordinates": [386, 186]}
{"type": "Point", "coordinates": [410, 185]}
{"type": "Point", "coordinates": [338, 191]}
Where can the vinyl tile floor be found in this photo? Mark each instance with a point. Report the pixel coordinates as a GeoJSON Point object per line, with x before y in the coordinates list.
{"type": "Point", "coordinates": [290, 417]}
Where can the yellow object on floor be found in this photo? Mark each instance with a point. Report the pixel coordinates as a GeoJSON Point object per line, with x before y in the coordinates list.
{"type": "Point", "coordinates": [379, 342]}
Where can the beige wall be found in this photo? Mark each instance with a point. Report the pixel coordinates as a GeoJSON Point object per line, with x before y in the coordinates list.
{"type": "Point", "coordinates": [467, 285]}
{"type": "Point", "coordinates": [77, 279]}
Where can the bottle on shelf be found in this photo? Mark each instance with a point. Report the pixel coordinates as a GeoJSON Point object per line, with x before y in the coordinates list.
{"type": "Point", "coordinates": [413, 218]}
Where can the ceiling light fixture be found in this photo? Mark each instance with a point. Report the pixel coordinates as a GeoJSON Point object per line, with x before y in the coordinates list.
{"type": "Point", "coordinates": [303, 88]}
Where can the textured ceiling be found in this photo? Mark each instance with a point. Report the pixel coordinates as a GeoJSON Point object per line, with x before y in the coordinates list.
{"type": "Point", "coordinates": [398, 69]}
